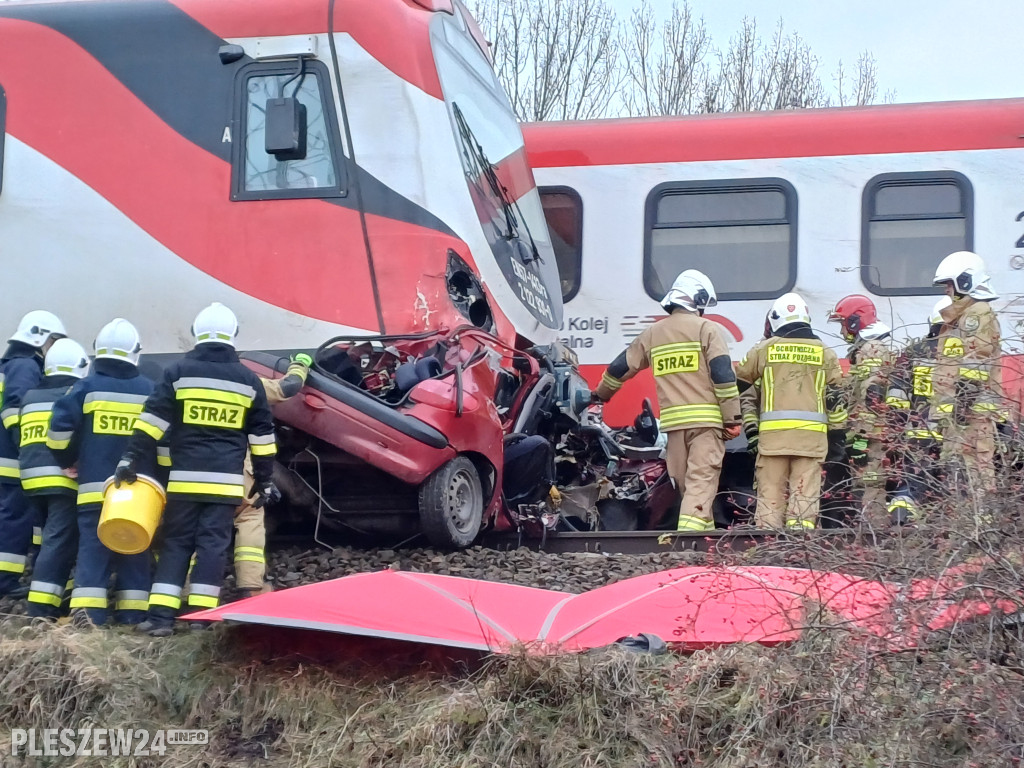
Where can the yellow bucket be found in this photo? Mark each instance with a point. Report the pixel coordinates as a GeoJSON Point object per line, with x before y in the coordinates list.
{"type": "Point", "coordinates": [130, 515]}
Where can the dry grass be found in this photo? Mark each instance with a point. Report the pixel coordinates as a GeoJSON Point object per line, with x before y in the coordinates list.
{"type": "Point", "coordinates": [828, 700]}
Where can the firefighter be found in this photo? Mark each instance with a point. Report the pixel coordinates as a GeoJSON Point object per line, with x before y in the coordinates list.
{"type": "Point", "coordinates": [907, 401]}
{"type": "Point", "coordinates": [21, 368]}
{"type": "Point", "coordinates": [90, 428]}
{"type": "Point", "coordinates": [250, 531]}
{"type": "Point", "coordinates": [801, 402]}
{"type": "Point", "coordinates": [966, 392]}
{"type": "Point", "coordinates": [696, 388]}
{"type": "Point", "coordinates": [870, 357]}
{"type": "Point", "coordinates": [214, 408]}
{"type": "Point", "coordinates": [52, 488]}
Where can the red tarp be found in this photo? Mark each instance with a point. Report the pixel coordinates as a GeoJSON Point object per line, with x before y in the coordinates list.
{"type": "Point", "coordinates": [690, 608]}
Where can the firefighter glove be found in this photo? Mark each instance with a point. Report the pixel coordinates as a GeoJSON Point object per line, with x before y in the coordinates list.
{"type": "Point", "coordinates": [303, 358]}
{"type": "Point", "coordinates": [752, 436]}
{"type": "Point", "coordinates": [857, 450]}
{"type": "Point", "coordinates": [266, 493]}
{"type": "Point", "coordinates": [125, 472]}
{"type": "Point", "coordinates": [836, 446]}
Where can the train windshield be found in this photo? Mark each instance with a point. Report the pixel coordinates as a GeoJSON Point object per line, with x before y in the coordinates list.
{"type": "Point", "coordinates": [490, 146]}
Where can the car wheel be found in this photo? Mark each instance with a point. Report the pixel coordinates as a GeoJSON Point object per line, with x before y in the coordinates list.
{"type": "Point", "coordinates": [451, 503]}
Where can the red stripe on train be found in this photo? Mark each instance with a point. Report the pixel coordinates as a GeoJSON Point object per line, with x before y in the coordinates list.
{"type": "Point", "coordinates": [995, 124]}
{"type": "Point", "coordinates": [397, 34]}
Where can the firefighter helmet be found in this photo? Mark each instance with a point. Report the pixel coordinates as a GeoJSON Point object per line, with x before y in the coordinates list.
{"type": "Point", "coordinates": [935, 318]}
{"type": "Point", "coordinates": [37, 327]}
{"type": "Point", "coordinates": [118, 340]}
{"type": "Point", "coordinates": [691, 290]}
{"type": "Point", "coordinates": [217, 324]}
{"type": "Point", "coordinates": [788, 308]}
{"type": "Point", "coordinates": [965, 271]}
{"type": "Point", "coordinates": [66, 358]}
{"type": "Point", "coordinates": [854, 313]}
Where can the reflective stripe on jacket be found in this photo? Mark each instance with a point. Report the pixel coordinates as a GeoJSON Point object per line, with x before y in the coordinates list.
{"type": "Point", "coordinates": [214, 410]}
{"type": "Point", "coordinates": [799, 378]}
{"type": "Point", "coordinates": [40, 470]}
{"type": "Point", "coordinates": [967, 376]}
{"type": "Point", "coordinates": [93, 422]}
{"type": "Point", "coordinates": [693, 372]}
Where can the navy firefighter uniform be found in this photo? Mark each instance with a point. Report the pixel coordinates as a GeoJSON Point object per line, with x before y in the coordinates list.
{"type": "Point", "coordinates": [52, 487]}
{"type": "Point", "coordinates": [90, 428]}
{"type": "Point", "coordinates": [21, 369]}
{"type": "Point", "coordinates": [216, 411]}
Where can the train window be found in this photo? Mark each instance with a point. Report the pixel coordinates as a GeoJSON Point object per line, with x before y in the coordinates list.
{"type": "Point", "coordinates": [741, 233]}
{"type": "Point", "coordinates": [910, 222]}
{"type": "Point", "coordinates": [563, 209]}
{"type": "Point", "coordinates": [3, 128]}
{"type": "Point", "coordinates": [259, 175]}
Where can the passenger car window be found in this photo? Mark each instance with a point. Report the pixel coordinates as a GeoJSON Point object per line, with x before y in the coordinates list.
{"type": "Point", "coordinates": [740, 233]}
{"type": "Point", "coordinates": [910, 222]}
{"type": "Point", "coordinates": [563, 209]}
{"type": "Point", "coordinates": [259, 175]}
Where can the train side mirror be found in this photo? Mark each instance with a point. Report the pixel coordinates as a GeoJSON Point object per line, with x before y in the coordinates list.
{"type": "Point", "coordinates": [285, 134]}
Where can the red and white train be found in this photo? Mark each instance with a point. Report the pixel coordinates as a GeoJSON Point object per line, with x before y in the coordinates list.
{"type": "Point", "coordinates": [824, 202]}
{"type": "Point", "coordinates": [142, 174]}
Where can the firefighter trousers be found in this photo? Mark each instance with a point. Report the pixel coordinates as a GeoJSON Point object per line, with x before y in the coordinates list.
{"type": "Point", "coordinates": [788, 491]}
{"type": "Point", "coordinates": [973, 447]}
{"type": "Point", "coordinates": [92, 575]}
{"type": "Point", "coordinates": [199, 527]}
{"type": "Point", "coordinates": [56, 554]}
{"type": "Point", "coordinates": [695, 464]}
{"type": "Point", "coordinates": [18, 521]}
{"type": "Point", "coordinates": [250, 544]}
{"type": "Point", "coordinates": [917, 479]}
{"type": "Point", "coordinates": [872, 481]}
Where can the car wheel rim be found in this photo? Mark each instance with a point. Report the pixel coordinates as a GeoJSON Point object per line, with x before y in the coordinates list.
{"type": "Point", "coordinates": [462, 500]}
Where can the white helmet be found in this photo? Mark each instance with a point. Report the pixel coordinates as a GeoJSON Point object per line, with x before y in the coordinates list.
{"type": "Point", "coordinates": [936, 318]}
{"type": "Point", "coordinates": [66, 358]}
{"type": "Point", "coordinates": [876, 330]}
{"type": "Point", "coordinates": [36, 328]}
{"type": "Point", "coordinates": [691, 290]}
{"type": "Point", "coordinates": [788, 308]}
{"type": "Point", "coordinates": [118, 340]}
{"type": "Point", "coordinates": [966, 271]}
{"type": "Point", "coordinates": [217, 324]}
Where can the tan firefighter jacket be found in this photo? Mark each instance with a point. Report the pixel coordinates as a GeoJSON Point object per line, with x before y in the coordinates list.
{"type": "Point", "coordinates": [692, 370]}
{"type": "Point", "coordinates": [871, 362]}
{"type": "Point", "coordinates": [966, 381]}
{"type": "Point", "coordinates": [801, 395]}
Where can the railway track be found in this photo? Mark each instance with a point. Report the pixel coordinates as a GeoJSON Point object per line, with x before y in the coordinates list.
{"type": "Point", "coordinates": [648, 542]}
{"type": "Point", "coordinates": [615, 542]}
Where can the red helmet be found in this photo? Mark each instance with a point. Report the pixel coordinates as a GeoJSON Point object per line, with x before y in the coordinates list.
{"type": "Point", "coordinates": [855, 312]}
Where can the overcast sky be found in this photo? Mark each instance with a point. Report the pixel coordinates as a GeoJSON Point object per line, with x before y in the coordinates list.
{"type": "Point", "coordinates": [927, 50]}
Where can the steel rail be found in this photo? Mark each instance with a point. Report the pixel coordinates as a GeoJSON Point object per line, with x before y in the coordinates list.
{"type": "Point", "coordinates": [653, 542]}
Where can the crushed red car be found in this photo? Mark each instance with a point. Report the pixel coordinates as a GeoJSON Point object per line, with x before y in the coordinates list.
{"type": "Point", "coordinates": [399, 435]}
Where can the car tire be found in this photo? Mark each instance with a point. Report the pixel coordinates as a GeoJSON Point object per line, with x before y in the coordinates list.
{"type": "Point", "coordinates": [451, 504]}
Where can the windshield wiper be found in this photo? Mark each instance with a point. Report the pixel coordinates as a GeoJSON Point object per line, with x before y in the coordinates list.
{"type": "Point", "coordinates": [484, 168]}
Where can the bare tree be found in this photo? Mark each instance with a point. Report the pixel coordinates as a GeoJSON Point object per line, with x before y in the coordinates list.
{"type": "Point", "coordinates": [573, 59]}
{"type": "Point", "coordinates": [667, 73]}
{"type": "Point", "coordinates": [559, 59]}
{"type": "Point", "coordinates": [754, 75]}
{"type": "Point", "coordinates": [863, 88]}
